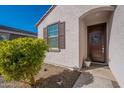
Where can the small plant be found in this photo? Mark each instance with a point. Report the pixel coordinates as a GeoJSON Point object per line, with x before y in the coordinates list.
{"type": "Point", "coordinates": [21, 59]}
{"type": "Point", "coordinates": [87, 62]}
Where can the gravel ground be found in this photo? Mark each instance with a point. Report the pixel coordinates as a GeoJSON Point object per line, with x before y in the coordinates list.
{"type": "Point", "coordinates": [50, 76]}
{"type": "Point", "coordinates": [12, 84]}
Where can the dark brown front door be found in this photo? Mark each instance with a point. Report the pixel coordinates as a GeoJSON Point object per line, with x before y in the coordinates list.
{"type": "Point", "coordinates": [96, 42]}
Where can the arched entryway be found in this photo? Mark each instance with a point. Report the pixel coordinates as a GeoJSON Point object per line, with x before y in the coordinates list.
{"type": "Point", "coordinates": [94, 33]}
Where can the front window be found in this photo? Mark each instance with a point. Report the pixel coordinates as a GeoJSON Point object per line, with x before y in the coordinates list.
{"type": "Point", "coordinates": [53, 36]}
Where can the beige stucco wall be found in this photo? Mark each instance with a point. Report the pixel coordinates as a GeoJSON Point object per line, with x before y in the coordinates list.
{"type": "Point", "coordinates": [96, 17]}
{"type": "Point", "coordinates": [70, 14]}
{"type": "Point", "coordinates": [82, 41]}
{"type": "Point", "coordinates": [73, 56]}
{"type": "Point", "coordinates": [109, 26]}
{"type": "Point", "coordinates": [116, 49]}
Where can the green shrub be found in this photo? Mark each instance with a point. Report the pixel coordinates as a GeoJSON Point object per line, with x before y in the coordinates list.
{"type": "Point", "coordinates": [21, 59]}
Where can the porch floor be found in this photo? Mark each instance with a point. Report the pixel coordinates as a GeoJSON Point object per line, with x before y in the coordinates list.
{"type": "Point", "coordinates": [96, 77]}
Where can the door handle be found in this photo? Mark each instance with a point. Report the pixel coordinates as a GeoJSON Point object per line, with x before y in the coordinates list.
{"type": "Point", "coordinates": [103, 50]}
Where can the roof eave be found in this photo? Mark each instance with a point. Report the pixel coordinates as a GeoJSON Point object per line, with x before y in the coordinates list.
{"type": "Point", "coordinates": [45, 15]}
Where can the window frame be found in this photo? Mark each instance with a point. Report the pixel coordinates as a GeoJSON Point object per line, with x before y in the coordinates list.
{"type": "Point", "coordinates": [54, 49]}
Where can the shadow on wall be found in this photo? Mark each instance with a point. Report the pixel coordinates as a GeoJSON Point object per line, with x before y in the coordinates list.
{"type": "Point", "coordinates": [65, 79]}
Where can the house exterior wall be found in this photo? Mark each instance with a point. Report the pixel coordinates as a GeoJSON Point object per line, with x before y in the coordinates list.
{"type": "Point", "coordinates": [14, 36]}
{"type": "Point", "coordinates": [69, 56]}
{"type": "Point", "coordinates": [116, 47]}
{"type": "Point", "coordinates": [109, 26]}
{"type": "Point", "coordinates": [9, 36]}
{"type": "Point", "coordinates": [11, 32]}
{"type": "Point", "coordinates": [82, 41]}
{"type": "Point", "coordinates": [75, 51]}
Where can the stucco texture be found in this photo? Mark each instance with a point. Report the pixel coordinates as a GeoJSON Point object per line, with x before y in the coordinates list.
{"type": "Point", "coordinates": [116, 47]}
{"type": "Point", "coordinates": [70, 56]}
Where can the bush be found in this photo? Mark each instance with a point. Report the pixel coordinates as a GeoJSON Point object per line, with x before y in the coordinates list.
{"type": "Point", "coordinates": [21, 59]}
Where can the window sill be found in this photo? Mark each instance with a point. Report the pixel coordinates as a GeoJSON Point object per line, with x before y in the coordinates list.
{"type": "Point", "coordinates": [54, 50]}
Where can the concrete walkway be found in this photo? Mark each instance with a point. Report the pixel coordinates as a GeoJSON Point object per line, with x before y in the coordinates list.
{"type": "Point", "coordinates": [96, 77]}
